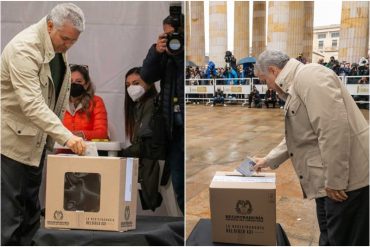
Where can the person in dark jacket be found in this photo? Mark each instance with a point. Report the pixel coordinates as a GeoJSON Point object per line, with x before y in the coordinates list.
{"type": "Point", "coordinates": [270, 97]}
{"type": "Point", "coordinates": [139, 109]}
{"type": "Point", "coordinates": [161, 64]}
{"type": "Point", "coordinates": [255, 97]}
{"type": "Point", "coordinates": [219, 97]}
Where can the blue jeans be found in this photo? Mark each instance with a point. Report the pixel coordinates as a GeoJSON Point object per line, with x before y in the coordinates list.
{"type": "Point", "coordinates": [218, 100]}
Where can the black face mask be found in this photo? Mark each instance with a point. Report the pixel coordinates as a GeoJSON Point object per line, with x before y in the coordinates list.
{"type": "Point", "coordinates": [77, 89]}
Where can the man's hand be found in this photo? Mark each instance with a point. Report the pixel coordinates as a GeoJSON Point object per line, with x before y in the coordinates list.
{"type": "Point", "coordinates": [161, 45]}
{"type": "Point", "coordinates": [260, 163]}
{"type": "Point", "coordinates": [77, 145]}
{"type": "Point", "coordinates": [336, 195]}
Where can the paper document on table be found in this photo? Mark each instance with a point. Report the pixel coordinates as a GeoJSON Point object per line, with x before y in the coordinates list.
{"type": "Point", "coordinates": [246, 167]}
{"type": "Point", "coordinates": [91, 149]}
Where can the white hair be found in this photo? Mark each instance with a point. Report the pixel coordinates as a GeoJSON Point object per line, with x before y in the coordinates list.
{"type": "Point", "coordinates": [270, 58]}
{"type": "Point", "coordinates": [67, 12]}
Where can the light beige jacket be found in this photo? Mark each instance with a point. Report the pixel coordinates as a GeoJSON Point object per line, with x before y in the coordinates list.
{"type": "Point", "coordinates": [326, 135]}
{"type": "Point", "coordinates": [29, 110]}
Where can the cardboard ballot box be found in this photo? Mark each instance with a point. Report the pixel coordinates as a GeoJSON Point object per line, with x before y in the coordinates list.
{"type": "Point", "coordinates": [97, 193]}
{"type": "Point", "coordinates": [243, 209]}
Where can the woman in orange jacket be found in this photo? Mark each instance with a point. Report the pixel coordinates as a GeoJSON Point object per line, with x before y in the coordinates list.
{"type": "Point", "coordinates": [86, 115]}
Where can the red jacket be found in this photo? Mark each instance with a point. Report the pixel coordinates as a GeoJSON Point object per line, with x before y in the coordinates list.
{"type": "Point", "coordinates": [93, 128]}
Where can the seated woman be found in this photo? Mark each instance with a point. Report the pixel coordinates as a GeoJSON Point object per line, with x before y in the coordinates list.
{"type": "Point", "coordinates": [86, 115]}
{"type": "Point", "coordinates": [140, 108]}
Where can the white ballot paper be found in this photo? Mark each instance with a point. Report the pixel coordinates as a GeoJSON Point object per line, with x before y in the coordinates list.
{"type": "Point", "coordinates": [246, 167]}
{"type": "Point", "coordinates": [91, 149]}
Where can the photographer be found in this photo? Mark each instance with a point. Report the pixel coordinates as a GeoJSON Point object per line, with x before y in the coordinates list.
{"type": "Point", "coordinates": [230, 60]}
{"type": "Point", "coordinates": [166, 64]}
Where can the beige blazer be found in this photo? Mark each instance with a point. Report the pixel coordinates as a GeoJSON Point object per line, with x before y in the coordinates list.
{"type": "Point", "coordinates": [29, 110]}
{"type": "Point", "coordinates": [326, 135]}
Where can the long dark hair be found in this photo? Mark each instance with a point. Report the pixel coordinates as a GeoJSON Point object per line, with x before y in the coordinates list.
{"type": "Point", "coordinates": [130, 104]}
{"type": "Point", "coordinates": [88, 96]}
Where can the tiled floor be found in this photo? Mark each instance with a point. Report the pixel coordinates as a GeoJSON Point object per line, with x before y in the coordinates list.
{"type": "Point", "coordinates": [218, 139]}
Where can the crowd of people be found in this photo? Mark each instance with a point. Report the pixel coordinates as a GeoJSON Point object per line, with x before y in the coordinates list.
{"type": "Point", "coordinates": [237, 75]}
{"type": "Point", "coordinates": [210, 71]}
{"type": "Point", "coordinates": [345, 68]}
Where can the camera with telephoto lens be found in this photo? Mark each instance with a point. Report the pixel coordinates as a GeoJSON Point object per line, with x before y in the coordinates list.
{"type": "Point", "coordinates": [175, 40]}
{"type": "Point", "coordinates": [228, 58]}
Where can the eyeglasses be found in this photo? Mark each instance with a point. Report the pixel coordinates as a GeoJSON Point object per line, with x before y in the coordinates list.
{"type": "Point", "coordinates": [86, 67]}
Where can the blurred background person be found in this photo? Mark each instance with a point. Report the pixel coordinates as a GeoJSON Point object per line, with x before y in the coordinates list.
{"type": "Point", "coordinates": [270, 97]}
{"type": "Point", "coordinates": [255, 97]}
{"type": "Point", "coordinates": [219, 97]}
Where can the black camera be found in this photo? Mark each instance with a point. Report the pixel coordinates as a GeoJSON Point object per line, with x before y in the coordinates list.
{"type": "Point", "coordinates": [228, 57]}
{"type": "Point", "coordinates": [230, 60]}
{"type": "Point", "coordinates": [175, 40]}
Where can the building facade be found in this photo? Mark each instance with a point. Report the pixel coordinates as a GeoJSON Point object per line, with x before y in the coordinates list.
{"type": "Point", "coordinates": [326, 43]}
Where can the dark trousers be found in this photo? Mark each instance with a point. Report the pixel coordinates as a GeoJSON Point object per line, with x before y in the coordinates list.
{"type": "Point", "coordinates": [344, 223]}
{"type": "Point", "coordinates": [218, 99]}
{"type": "Point", "coordinates": [20, 206]}
{"type": "Point", "coordinates": [267, 102]}
{"type": "Point", "coordinates": [175, 160]}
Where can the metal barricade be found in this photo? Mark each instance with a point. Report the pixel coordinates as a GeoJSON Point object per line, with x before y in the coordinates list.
{"type": "Point", "coordinates": [238, 89]}
{"type": "Point", "coordinates": [261, 86]}
{"type": "Point", "coordinates": [341, 77]}
{"type": "Point", "coordinates": [235, 89]}
{"type": "Point", "coordinates": [199, 89]}
{"type": "Point", "coordinates": [358, 86]}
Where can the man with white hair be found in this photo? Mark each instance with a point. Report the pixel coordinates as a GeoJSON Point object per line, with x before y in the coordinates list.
{"type": "Point", "coordinates": [35, 84]}
{"type": "Point", "coordinates": [327, 140]}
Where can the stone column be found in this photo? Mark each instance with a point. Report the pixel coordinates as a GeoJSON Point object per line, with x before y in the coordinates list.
{"type": "Point", "coordinates": [259, 28]}
{"type": "Point", "coordinates": [241, 29]}
{"type": "Point", "coordinates": [217, 32]}
{"type": "Point", "coordinates": [354, 31]}
{"type": "Point", "coordinates": [308, 33]}
{"type": "Point", "coordinates": [296, 28]}
{"type": "Point", "coordinates": [278, 25]}
{"type": "Point", "coordinates": [291, 27]}
{"type": "Point", "coordinates": [196, 39]}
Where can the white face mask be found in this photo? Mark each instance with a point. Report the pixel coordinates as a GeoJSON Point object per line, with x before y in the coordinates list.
{"type": "Point", "coordinates": [135, 92]}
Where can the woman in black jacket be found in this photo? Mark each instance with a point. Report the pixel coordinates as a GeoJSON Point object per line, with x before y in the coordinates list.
{"type": "Point", "coordinates": [140, 121]}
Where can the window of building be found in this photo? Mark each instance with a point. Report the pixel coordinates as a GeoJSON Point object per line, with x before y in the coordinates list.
{"type": "Point", "coordinates": [321, 44]}
{"type": "Point", "coordinates": [334, 43]}
{"type": "Point", "coordinates": [321, 35]}
{"type": "Point", "coordinates": [335, 34]}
